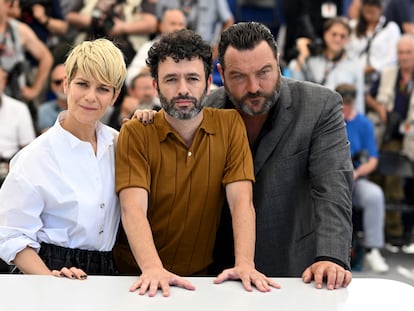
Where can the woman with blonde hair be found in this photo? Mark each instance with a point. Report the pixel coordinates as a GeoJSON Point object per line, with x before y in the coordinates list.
{"type": "Point", "coordinates": [59, 213]}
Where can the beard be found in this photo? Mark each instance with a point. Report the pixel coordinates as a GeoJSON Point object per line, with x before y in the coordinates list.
{"type": "Point", "coordinates": [184, 113]}
{"type": "Point", "coordinates": [270, 100]}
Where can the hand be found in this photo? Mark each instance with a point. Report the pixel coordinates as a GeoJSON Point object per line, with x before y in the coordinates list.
{"type": "Point", "coordinates": [382, 113]}
{"type": "Point", "coordinates": [39, 13]}
{"type": "Point", "coordinates": [72, 273]}
{"type": "Point", "coordinates": [247, 275]}
{"type": "Point", "coordinates": [145, 116]}
{"type": "Point", "coordinates": [118, 28]}
{"type": "Point", "coordinates": [336, 275]}
{"type": "Point", "coordinates": [155, 279]}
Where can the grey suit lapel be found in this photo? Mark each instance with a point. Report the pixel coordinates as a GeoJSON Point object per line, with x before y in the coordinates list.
{"type": "Point", "coordinates": [281, 119]}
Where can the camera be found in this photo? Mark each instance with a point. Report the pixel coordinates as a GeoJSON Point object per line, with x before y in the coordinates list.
{"type": "Point", "coordinates": [102, 22]}
{"type": "Point", "coordinates": [316, 47]}
{"type": "Point", "coordinates": [27, 4]}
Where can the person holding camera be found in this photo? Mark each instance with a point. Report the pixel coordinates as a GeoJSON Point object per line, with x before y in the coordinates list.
{"type": "Point", "coordinates": [16, 41]}
{"type": "Point", "coordinates": [128, 22]}
{"type": "Point", "coordinates": [327, 63]}
{"type": "Point", "coordinates": [43, 16]}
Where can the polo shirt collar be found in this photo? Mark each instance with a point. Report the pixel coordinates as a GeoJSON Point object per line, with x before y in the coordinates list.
{"type": "Point", "coordinates": [164, 128]}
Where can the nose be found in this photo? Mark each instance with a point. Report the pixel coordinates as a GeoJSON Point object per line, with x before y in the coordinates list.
{"type": "Point", "coordinates": [252, 85]}
{"type": "Point", "coordinates": [182, 87]}
{"type": "Point", "coordinates": [91, 94]}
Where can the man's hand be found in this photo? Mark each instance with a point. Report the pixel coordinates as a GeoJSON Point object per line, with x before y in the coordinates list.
{"type": "Point", "coordinates": [335, 275]}
{"type": "Point", "coordinates": [155, 279]}
{"type": "Point", "coordinates": [247, 275]}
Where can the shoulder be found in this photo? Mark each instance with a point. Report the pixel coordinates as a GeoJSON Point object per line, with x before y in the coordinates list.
{"type": "Point", "coordinates": [304, 91]}
{"type": "Point", "coordinates": [217, 98]}
{"type": "Point", "coordinates": [14, 104]}
{"type": "Point", "coordinates": [34, 154]}
{"type": "Point", "coordinates": [221, 113]}
{"type": "Point", "coordinates": [110, 131]}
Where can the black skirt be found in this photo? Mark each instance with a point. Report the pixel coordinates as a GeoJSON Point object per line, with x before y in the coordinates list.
{"type": "Point", "coordinates": [92, 262]}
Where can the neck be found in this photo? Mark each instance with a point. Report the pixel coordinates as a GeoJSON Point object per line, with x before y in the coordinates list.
{"type": "Point", "coordinates": [332, 55]}
{"type": "Point", "coordinates": [185, 128]}
{"type": "Point", "coordinates": [406, 73]}
{"type": "Point", "coordinates": [85, 132]}
{"type": "Point", "coordinates": [351, 115]}
{"type": "Point", "coordinates": [254, 125]}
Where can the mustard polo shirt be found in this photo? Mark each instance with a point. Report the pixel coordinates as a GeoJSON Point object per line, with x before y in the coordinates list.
{"type": "Point", "coordinates": [185, 185]}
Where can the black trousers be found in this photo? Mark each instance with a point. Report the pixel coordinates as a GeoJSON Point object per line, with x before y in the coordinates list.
{"type": "Point", "coordinates": [92, 262]}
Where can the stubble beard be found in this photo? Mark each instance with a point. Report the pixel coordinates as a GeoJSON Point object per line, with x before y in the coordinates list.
{"type": "Point", "coordinates": [182, 114]}
{"type": "Point", "coordinates": [270, 100]}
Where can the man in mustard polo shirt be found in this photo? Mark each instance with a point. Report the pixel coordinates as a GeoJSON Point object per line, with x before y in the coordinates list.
{"type": "Point", "coordinates": [173, 175]}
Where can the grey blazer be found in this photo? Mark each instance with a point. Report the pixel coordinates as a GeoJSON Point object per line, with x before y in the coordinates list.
{"type": "Point", "coordinates": [304, 176]}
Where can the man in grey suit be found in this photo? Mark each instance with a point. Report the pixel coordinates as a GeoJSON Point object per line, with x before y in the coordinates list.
{"type": "Point", "coordinates": [303, 170]}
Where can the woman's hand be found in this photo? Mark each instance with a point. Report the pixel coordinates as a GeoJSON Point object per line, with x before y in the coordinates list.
{"type": "Point", "coordinates": [71, 273]}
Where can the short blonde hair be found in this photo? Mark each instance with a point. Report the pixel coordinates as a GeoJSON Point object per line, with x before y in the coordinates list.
{"type": "Point", "coordinates": [99, 59]}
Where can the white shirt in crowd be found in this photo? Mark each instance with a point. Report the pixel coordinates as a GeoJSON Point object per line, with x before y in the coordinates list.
{"type": "Point", "coordinates": [16, 126]}
{"type": "Point", "coordinates": [59, 192]}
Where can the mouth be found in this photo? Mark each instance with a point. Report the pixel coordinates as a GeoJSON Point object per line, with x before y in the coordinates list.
{"type": "Point", "coordinates": [88, 108]}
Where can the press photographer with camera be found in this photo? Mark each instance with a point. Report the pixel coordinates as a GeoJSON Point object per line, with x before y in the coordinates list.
{"type": "Point", "coordinates": [327, 63]}
{"type": "Point", "coordinates": [17, 40]}
{"type": "Point", "coordinates": [43, 16]}
{"type": "Point", "coordinates": [128, 22]}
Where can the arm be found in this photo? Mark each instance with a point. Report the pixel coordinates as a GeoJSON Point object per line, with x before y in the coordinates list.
{"type": "Point", "coordinates": [20, 223]}
{"type": "Point", "coordinates": [145, 24]}
{"type": "Point", "coordinates": [134, 203]}
{"type": "Point", "coordinates": [79, 20]}
{"type": "Point", "coordinates": [54, 25]}
{"type": "Point", "coordinates": [42, 54]}
{"type": "Point", "coordinates": [331, 175]}
{"type": "Point", "coordinates": [366, 168]}
{"type": "Point", "coordinates": [375, 105]}
{"type": "Point", "coordinates": [239, 197]}
{"type": "Point", "coordinates": [29, 262]}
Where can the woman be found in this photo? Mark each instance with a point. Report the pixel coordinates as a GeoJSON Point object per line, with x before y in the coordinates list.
{"type": "Point", "coordinates": [373, 40]}
{"type": "Point", "coordinates": [332, 66]}
{"type": "Point", "coordinates": [58, 210]}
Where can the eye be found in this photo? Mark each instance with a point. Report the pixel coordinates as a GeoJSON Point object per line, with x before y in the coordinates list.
{"type": "Point", "coordinates": [264, 72]}
{"type": "Point", "coordinates": [104, 89]}
{"type": "Point", "coordinates": [81, 84]}
{"type": "Point", "coordinates": [193, 79]}
{"type": "Point", "coordinates": [170, 80]}
{"type": "Point", "coordinates": [237, 77]}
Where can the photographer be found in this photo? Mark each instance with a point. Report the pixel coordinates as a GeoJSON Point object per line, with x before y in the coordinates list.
{"type": "Point", "coordinates": [128, 22]}
{"type": "Point", "coordinates": [18, 41]}
{"type": "Point", "coordinates": [327, 63]}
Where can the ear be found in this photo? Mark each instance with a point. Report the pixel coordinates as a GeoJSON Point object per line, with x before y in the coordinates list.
{"type": "Point", "coordinates": [209, 81]}
{"type": "Point", "coordinates": [116, 94]}
{"type": "Point", "coordinates": [155, 85]}
{"type": "Point", "coordinates": [65, 85]}
{"type": "Point", "coordinates": [220, 70]}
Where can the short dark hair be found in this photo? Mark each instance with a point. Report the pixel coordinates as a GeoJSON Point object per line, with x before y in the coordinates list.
{"type": "Point", "coordinates": [245, 36]}
{"type": "Point", "coordinates": [377, 3]}
{"type": "Point", "coordinates": [347, 91]}
{"type": "Point", "coordinates": [179, 45]}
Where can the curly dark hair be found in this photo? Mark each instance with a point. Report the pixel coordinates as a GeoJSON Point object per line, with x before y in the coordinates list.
{"type": "Point", "coordinates": [245, 36]}
{"type": "Point", "coordinates": [179, 45]}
